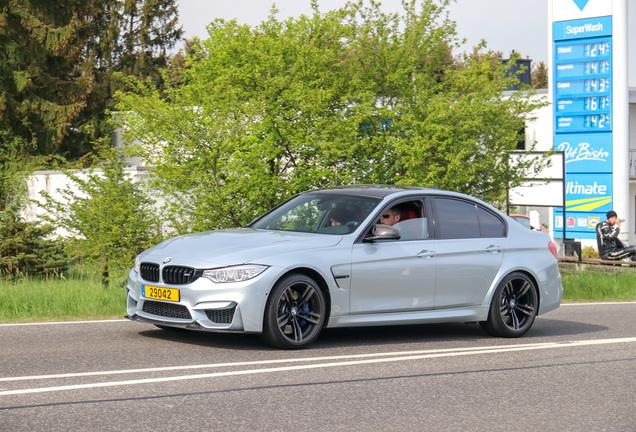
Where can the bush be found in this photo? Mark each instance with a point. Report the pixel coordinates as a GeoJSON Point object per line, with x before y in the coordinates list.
{"type": "Point", "coordinates": [109, 217]}
{"type": "Point", "coordinates": [25, 250]}
{"type": "Point", "coordinates": [589, 252]}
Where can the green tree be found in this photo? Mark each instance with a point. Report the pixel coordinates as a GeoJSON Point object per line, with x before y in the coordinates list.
{"type": "Point", "coordinates": [108, 216]}
{"type": "Point", "coordinates": [540, 76]}
{"type": "Point", "coordinates": [12, 184]}
{"type": "Point", "coordinates": [26, 250]}
{"type": "Point", "coordinates": [57, 63]}
{"type": "Point", "coordinates": [44, 79]}
{"type": "Point", "coordinates": [349, 96]}
{"type": "Point", "coordinates": [127, 38]}
{"type": "Point", "coordinates": [257, 111]}
{"type": "Point", "coordinates": [461, 131]}
{"type": "Point", "coordinates": [57, 69]}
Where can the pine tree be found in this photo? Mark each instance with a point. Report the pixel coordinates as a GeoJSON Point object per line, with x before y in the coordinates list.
{"type": "Point", "coordinates": [128, 38]}
{"type": "Point", "coordinates": [44, 78]}
{"type": "Point", "coordinates": [540, 76]}
{"type": "Point", "coordinates": [25, 250]}
{"type": "Point", "coordinates": [57, 62]}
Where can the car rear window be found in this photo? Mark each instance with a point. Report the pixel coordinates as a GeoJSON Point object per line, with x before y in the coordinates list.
{"type": "Point", "coordinates": [490, 224]}
{"type": "Point", "coordinates": [456, 219]}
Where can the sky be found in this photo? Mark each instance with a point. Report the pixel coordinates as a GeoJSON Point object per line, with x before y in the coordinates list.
{"type": "Point", "coordinates": [505, 25]}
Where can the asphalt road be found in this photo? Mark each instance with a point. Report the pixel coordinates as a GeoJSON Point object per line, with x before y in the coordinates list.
{"type": "Point", "coordinates": [574, 371]}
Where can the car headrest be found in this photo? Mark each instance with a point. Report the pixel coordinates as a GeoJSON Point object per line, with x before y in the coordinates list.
{"type": "Point", "coordinates": [408, 214]}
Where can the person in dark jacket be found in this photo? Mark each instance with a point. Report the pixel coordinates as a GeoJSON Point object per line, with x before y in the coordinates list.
{"type": "Point", "coordinates": [609, 246]}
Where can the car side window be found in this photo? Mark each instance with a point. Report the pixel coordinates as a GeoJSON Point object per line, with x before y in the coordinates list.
{"type": "Point", "coordinates": [411, 220]}
{"type": "Point", "coordinates": [455, 219]}
{"type": "Point", "coordinates": [412, 229]}
{"type": "Point", "coordinates": [491, 225]}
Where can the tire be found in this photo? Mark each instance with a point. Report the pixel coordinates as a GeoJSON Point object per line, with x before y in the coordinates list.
{"type": "Point", "coordinates": [295, 313]}
{"type": "Point", "coordinates": [513, 308]}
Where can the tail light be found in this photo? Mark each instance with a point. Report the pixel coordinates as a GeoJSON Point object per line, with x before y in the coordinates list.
{"type": "Point", "coordinates": [553, 249]}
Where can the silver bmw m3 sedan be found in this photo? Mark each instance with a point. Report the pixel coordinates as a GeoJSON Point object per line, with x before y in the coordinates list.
{"type": "Point", "coordinates": [351, 256]}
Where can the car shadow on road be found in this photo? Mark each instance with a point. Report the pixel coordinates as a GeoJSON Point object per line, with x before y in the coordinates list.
{"type": "Point", "coordinates": [452, 332]}
{"type": "Point", "coordinates": [379, 336]}
{"type": "Point", "coordinates": [231, 341]}
{"type": "Point", "coordinates": [546, 327]}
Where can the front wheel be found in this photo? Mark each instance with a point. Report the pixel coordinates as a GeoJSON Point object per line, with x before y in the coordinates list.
{"type": "Point", "coordinates": [513, 308]}
{"type": "Point", "coordinates": [295, 313]}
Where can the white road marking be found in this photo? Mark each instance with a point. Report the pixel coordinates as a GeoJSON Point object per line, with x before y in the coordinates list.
{"type": "Point", "coordinates": [61, 322]}
{"type": "Point", "coordinates": [352, 360]}
{"type": "Point", "coordinates": [598, 303]}
{"type": "Point", "coordinates": [260, 362]}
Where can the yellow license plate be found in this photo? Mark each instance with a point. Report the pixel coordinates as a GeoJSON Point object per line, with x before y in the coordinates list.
{"type": "Point", "coordinates": [158, 293]}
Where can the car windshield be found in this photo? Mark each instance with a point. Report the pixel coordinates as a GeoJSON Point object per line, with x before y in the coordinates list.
{"type": "Point", "coordinates": [324, 213]}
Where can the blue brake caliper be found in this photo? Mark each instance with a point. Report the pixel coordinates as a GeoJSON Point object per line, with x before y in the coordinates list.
{"type": "Point", "coordinates": [304, 308]}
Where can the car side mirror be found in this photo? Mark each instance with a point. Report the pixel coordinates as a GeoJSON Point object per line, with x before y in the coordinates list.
{"type": "Point", "coordinates": [383, 232]}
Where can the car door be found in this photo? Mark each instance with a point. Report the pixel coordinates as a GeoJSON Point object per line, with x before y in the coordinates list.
{"type": "Point", "coordinates": [470, 247]}
{"type": "Point", "coordinates": [395, 275]}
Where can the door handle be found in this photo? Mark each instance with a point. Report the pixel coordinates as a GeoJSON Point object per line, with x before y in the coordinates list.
{"type": "Point", "coordinates": [426, 254]}
{"type": "Point", "coordinates": [494, 249]}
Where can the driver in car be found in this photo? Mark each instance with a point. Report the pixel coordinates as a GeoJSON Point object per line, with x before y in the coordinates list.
{"type": "Point", "coordinates": [391, 216]}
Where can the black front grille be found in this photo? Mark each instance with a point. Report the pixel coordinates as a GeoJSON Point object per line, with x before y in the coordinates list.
{"type": "Point", "coordinates": [167, 310]}
{"type": "Point", "coordinates": [149, 272]}
{"type": "Point", "coordinates": [221, 316]}
{"type": "Point", "coordinates": [174, 275]}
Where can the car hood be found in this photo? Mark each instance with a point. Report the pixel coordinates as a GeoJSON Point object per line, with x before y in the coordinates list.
{"type": "Point", "coordinates": [234, 246]}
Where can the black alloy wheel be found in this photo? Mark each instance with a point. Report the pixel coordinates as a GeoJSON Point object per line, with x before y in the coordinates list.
{"type": "Point", "coordinates": [513, 308]}
{"type": "Point", "coordinates": [295, 313]}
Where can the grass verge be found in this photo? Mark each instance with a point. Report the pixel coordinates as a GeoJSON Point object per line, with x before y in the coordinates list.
{"type": "Point", "coordinates": [78, 296]}
{"type": "Point", "coordinates": [598, 283]}
{"type": "Point", "coordinates": [81, 296]}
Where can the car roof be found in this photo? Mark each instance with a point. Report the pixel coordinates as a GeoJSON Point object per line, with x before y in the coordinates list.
{"type": "Point", "coordinates": [393, 191]}
{"type": "Point", "coordinates": [369, 190]}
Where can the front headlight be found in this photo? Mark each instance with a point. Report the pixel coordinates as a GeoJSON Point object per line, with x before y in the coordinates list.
{"type": "Point", "coordinates": [137, 265]}
{"type": "Point", "coordinates": [238, 273]}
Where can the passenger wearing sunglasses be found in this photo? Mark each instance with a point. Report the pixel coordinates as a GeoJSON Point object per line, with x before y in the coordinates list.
{"type": "Point", "coordinates": [391, 216]}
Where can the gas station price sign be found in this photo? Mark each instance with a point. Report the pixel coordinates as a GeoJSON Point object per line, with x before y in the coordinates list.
{"type": "Point", "coordinates": [583, 85]}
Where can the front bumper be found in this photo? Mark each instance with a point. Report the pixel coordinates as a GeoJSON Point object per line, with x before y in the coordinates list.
{"type": "Point", "coordinates": [188, 326]}
{"type": "Point", "coordinates": [203, 305]}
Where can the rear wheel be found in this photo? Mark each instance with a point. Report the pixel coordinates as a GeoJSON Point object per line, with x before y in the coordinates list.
{"type": "Point", "coordinates": [295, 313]}
{"type": "Point", "coordinates": [513, 308]}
